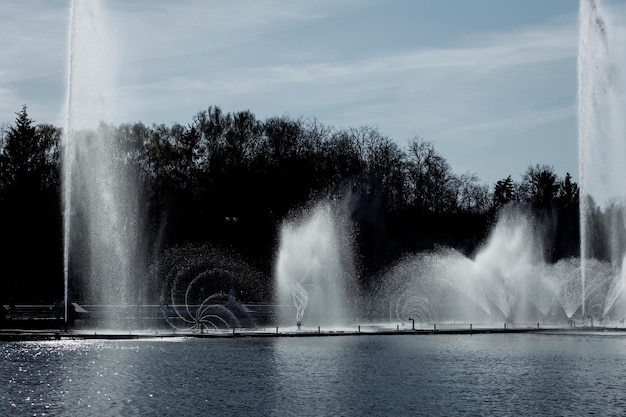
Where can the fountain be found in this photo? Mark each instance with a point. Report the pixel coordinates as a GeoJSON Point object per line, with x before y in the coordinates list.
{"type": "Point", "coordinates": [204, 287]}
{"type": "Point", "coordinates": [602, 151]}
{"type": "Point", "coordinates": [314, 269]}
{"type": "Point", "coordinates": [508, 280]}
{"type": "Point", "coordinates": [102, 211]}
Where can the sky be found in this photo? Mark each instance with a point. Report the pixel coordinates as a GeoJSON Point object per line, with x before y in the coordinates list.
{"type": "Point", "coordinates": [491, 83]}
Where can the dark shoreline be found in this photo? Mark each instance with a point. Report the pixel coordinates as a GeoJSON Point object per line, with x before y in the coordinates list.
{"type": "Point", "coordinates": [7, 335]}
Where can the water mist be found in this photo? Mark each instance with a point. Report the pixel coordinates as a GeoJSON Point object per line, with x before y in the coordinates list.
{"type": "Point", "coordinates": [602, 148]}
{"type": "Point", "coordinates": [314, 268]}
{"type": "Point", "coordinates": [101, 205]}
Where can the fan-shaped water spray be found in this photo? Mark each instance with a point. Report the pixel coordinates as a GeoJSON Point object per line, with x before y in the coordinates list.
{"type": "Point", "coordinates": [508, 280]}
{"type": "Point", "coordinates": [314, 267]}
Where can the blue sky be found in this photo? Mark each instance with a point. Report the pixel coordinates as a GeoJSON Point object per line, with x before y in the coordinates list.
{"type": "Point", "coordinates": [492, 83]}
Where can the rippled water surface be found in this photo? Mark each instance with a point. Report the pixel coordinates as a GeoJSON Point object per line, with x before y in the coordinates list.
{"type": "Point", "coordinates": [485, 374]}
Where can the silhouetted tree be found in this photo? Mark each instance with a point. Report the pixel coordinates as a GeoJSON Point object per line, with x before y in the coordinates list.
{"type": "Point", "coordinates": [540, 186]}
{"type": "Point", "coordinates": [382, 175]}
{"type": "Point", "coordinates": [341, 161]}
{"type": "Point", "coordinates": [504, 192]}
{"type": "Point", "coordinates": [30, 209]}
{"type": "Point", "coordinates": [429, 177]}
{"type": "Point", "coordinates": [229, 179]}
{"type": "Point", "coordinates": [568, 192]}
{"type": "Point", "coordinates": [472, 197]}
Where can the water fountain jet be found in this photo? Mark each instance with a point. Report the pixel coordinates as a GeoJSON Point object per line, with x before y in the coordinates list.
{"type": "Point", "coordinates": [602, 149]}
{"type": "Point", "coordinates": [102, 209]}
{"type": "Point", "coordinates": [314, 267]}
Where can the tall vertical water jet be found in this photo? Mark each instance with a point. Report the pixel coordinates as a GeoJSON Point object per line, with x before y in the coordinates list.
{"type": "Point", "coordinates": [602, 145]}
{"type": "Point", "coordinates": [102, 235]}
{"type": "Point", "coordinates": [314, 268]}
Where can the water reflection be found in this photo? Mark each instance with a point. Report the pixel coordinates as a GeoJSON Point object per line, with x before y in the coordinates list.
{"type": "Point", "coordinates": [355, 375]}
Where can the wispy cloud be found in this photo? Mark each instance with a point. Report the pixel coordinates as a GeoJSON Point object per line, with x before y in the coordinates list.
{"type": "Point", "coordinates": [413, 68]}
{"type": "Point", "coordinates": [423, 79]}
{"type": "Point", "coordinates": [176, 58]}
{"type": "Point", "coordinates": [175, 29]}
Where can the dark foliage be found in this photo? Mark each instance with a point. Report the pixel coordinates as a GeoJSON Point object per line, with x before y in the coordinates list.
{"type": "Point", "coordinates": [30, 211]}
{"type": "Point", "coordinates": [229, 179]}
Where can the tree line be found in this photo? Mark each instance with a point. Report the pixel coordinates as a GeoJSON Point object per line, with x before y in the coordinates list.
{"type": "Point", "coordinates": [230, 179]}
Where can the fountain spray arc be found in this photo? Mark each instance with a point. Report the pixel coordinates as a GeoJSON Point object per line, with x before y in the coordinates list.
{"type": "Point", "coordinates": [602, 148]}
{"type": "Point", "coordinates": [101, 204]}
{"type": "Point", "coordinates": [314, 268]}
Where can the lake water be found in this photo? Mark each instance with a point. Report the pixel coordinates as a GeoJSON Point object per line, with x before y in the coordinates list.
{"type": "Point", "coordinates": [486, 374]}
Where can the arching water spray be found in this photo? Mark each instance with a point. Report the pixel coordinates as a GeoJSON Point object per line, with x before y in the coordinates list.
{"type": "Point", "coordinates": [314, 267]}
{"type": "Point", "coordinates": [508, 279]}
